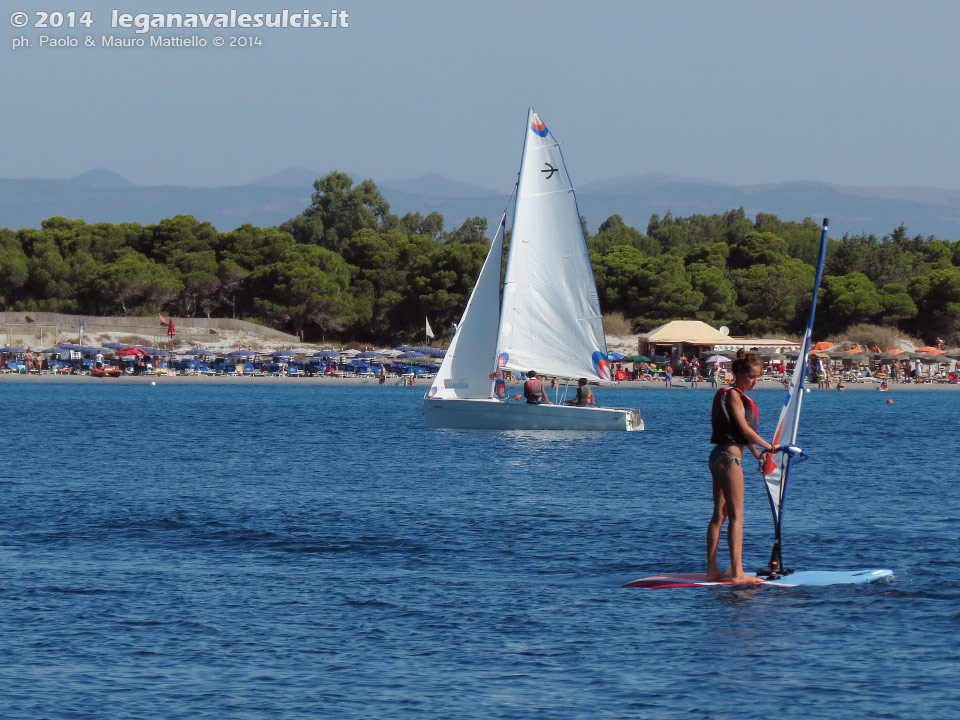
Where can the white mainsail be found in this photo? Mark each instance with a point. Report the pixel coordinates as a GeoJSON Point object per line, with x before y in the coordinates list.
{"type": "Point", "coordinates": [550, 318]}
{"type": "Point", "coordinates": [465, 370]}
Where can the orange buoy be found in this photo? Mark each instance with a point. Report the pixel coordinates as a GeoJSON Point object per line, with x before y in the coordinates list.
{"type": "Point", "coordinates": [889, 401]}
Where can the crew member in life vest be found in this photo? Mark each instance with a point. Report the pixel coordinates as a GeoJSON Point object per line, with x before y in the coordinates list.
{"type": "Point", "coordinates": [533, 390]}
{"type": "Point", "coordinates": [584, 394]}
{"type": "Point", "coordinates": [734, 420]}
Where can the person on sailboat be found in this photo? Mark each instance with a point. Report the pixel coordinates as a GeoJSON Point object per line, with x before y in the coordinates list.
{"type": "Point", "coordinates": [734, 423]}
{"type": "Point", "coordinates": [533, 390]}
{"type": "Point", "coordinates": [584, 394]}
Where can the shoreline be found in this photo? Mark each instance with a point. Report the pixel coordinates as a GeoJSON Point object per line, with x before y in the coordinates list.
{"type": "Point", "coordinates": [425, 384]}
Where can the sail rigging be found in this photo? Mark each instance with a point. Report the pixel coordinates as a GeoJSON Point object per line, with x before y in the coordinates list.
{"type": "Point", "coordinates": [776, 470]}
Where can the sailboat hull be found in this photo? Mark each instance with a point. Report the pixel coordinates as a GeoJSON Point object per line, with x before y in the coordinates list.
{"type": "Point", "coordinates": [493, 414]}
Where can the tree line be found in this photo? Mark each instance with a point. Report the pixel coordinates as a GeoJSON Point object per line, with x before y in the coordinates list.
{"type": "Point", "coordinates": [348, 268]}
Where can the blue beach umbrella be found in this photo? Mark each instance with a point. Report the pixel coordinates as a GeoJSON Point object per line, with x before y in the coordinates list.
{"type": "Point", "coordinates": [197, 351]}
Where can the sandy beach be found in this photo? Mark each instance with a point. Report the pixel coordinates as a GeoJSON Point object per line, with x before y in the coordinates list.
{"type": "Point", "coordinates": [766, 385]}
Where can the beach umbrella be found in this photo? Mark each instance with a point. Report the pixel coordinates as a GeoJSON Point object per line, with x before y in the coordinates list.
{"type": "Point", "coordinates": [370, 354]}
{"type": "Point", "coordinates": [115, 345]}
{"type": "Point", "coordinates": [406, 348]}
{"type": "Point", "coordinates": [327, 354]}
{"type": "Point", "coordinates": [412, 356]}
{"type": "Point", "coordinates": [615, 356]}
{"type": "Point", "coordinates": [197, 351]}
{"type": "Point", "coordinates": [132, 351]}
{"type": "Point", "coordinates": [12, 349]}
{"type": "Point", "coordinates": [717, 359]}
{"type": "Point", "coordinates": [639, 358]}
{"type": "Point", "coordinates": [241, 353]}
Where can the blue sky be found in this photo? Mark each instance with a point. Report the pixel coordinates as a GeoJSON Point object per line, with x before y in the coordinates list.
{"type": "Point", "coordinates": [855, 92]}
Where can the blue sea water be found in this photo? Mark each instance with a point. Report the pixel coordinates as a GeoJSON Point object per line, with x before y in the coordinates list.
{"type": "Point", "coordinates": [199, 550]}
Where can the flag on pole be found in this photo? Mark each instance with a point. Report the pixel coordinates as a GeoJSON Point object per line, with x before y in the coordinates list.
{"type": "Point", "coordinates": [163, 320]}
{"type": "Point", "coordinates": [429, 330]}
{"type": "Point", "coordinates": [82, 327]}
{"type": "Point", "coordinates": [171, 331]}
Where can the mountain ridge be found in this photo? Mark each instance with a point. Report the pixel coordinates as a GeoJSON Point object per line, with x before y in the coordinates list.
{"type": "Point", "coordinates": [101, 195]}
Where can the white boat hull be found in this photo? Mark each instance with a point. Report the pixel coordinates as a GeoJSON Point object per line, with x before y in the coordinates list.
{"type": "Point", "coordinates": [493, 414]}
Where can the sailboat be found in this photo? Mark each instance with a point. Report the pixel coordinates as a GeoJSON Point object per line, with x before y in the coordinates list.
{"type": "Point", "coordinates": [547, 318]}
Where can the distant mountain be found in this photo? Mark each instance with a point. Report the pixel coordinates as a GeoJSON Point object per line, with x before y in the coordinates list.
{"type": "Point", "coordinates": [295, 177]}
{"type": "Point", "coordinates": [100, 178]}
{"type": "Point", "coordinates": [103, 196]}
{"type": "Point", "coordinates": [433, 185]}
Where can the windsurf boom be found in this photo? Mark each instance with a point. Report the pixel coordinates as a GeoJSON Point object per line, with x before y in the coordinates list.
{"type": "Point", "coordinates": [776, 469]}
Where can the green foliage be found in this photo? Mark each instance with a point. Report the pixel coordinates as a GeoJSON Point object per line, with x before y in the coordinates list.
{"type": "Point", "coordinates": [847, 299]}
{"type": "Point", "coordinates": [347, 267]}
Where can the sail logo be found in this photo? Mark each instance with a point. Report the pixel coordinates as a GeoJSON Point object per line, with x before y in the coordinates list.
{"type": "Point", "coordinates": [601, 365]}
{"type": "Point", "coordinates": [434, 390]}
{"type": "Point", "coordinates": [502, 359]}
{"type": "Point", "coordinates": [536, 124]}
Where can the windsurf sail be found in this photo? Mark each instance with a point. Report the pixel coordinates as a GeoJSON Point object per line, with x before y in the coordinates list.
{"type": "Point", "coordinates": [776, 469]}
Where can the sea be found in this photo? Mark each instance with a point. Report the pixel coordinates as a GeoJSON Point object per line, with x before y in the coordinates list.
{"type": "Point", "coordinates": [195, 549]}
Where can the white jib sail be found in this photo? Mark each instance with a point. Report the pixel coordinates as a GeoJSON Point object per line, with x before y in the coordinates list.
{"type": "Point", "coordinates": [550, 319]}
{"type": "Point", "coordinates": [465, 371]}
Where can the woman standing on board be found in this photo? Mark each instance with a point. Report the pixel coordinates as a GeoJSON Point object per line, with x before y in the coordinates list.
{"type": "Point", "coordinates": [734, 421]}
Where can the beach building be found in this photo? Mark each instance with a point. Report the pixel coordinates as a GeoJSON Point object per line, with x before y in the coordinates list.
{"type": "Point", "coordinates": [693, 338]}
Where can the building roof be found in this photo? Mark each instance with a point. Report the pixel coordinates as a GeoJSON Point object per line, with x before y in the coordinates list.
{"type": "Point", "coordinates": [692, 332]}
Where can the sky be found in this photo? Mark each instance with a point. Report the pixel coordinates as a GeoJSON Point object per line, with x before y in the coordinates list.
{"type": "Point", "coordinates": [859, 92]}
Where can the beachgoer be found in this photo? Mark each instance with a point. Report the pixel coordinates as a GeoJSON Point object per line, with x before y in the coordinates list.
{"type": "Point", "coordinates": [584, 394]}
{"type": "Point", "coordinates": [668, 375]}
{"type": "Point", "coordinates": [533, 390]}
{"type": "Point", "coordinates": [840, 386]}
{"type": "Point", "coordinates": [383, 375]}
{"type": "Point", "coordinates": [734, 423]}
{"type": "Point", "coordinates": [883, 386]}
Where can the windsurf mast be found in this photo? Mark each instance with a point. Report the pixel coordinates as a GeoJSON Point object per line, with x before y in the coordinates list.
{"type": "Point", "coordinates": [776, 470]}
